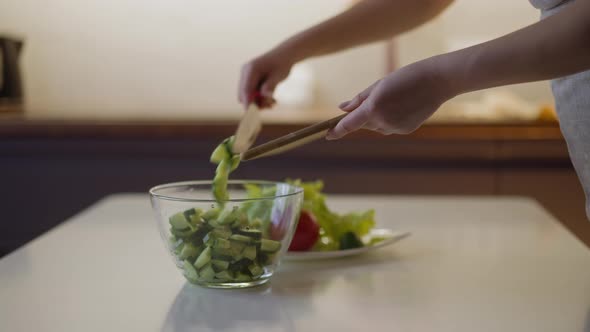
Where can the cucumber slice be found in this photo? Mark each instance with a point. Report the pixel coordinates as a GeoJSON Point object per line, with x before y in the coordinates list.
{"type": "Point", "coordinates": [220, 153]}
{"type": "Point", "coordinates": [266, 258]}
{"type": "Point", "coordinates": [235, 162]}
{"type": "Point", "coordinates": [190, 272]}
{"type": "Point", "coordinates": [256, 223]}
{"type": "Point", "coordinates": [208, 240]}
{"type": "Point", "coordinates": [255, 270]}
{"type": "Point", "coordinates": [204, 258]}
{"type": "Point", "coordinates": [229, 144]}
{"type": "Point", "coordinates": [216, 243]}
{"type": "Point", "coordinates": [249, 252]}
{"type": "Point", "coordinates": [224, 275]}
{"type": "Point", "coordinates": [349, 240]}
{"type": "Point", "coordinates": [179, 222]}
{"type": "Point", "coordinates": [183, 234]}
{"type": "Point", "coordinates": [236, 248]}
{"type": "Point", "coordinates": [207, 273]}
{"type": "Point", "coordinates": [240, 238]}
{"type": "Point", "coordinates": [188, 213]}
{"type": "Point", "coordinates": [221, 232]}
{"type": "Point", "coordinates": [242, 277]}
{"type": "Point", "coordinates": [196, 219]}
{"type": "Point", "coordinates": [241, 220]}
{"type": "Point", "coordinates": [241, 265]}
{"type": "Point", "coordinates": [189, 250]}
{"type": "Point", "coordinates": [221, 244]}
{"type": "Point", "coordinates": [219, 188]}
{"type": "Point", "coordinates": [219, 265]}
{"type": "Point", "coordinates": [179, 248]}
{"type": "Point", "coordinates": [210, 214]}
{"type": "Point", "coordinates": [250, 232]}
{"type": "Point", "coordinates": [199, 234]}
{"type": "Point", "coordinates": [227, 217]}
{"type": "Point", "coordinates": [223, 169]}
{"type": "Point", "coordinates": [223, 254]}
{"type": "Point", "coordinates": [267, 245]}
{"type": "Point", "coordinates": [226, 161]}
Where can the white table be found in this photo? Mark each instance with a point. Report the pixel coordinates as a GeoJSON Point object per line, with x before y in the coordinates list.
{"type": "Point", "coordinates": [472, 264]}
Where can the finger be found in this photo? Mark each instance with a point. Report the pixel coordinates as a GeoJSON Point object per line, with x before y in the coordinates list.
{"type": "Point", "coordinates": [353, 121]}
{"type": "Point", "coordinates": [355, 102]}
{"type": "Point", "coordinates": [268, 87]}
{"type": "Point", "coordinates": [343, 105]}
{"type": "Point", "coordinates": [248, 83]}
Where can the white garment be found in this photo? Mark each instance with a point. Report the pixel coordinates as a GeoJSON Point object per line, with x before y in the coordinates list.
{"type": "Point", "coordinates": [572, 101]}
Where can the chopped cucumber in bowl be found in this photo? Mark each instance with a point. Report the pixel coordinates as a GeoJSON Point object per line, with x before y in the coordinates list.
{"type": "Point", "coordinates": [218, 250]}
{"type": "Point", "coordinates": [231, 243]}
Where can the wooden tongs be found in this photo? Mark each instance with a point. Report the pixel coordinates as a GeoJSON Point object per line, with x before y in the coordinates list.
{"type": "Point", "coordinates": [287, 142]}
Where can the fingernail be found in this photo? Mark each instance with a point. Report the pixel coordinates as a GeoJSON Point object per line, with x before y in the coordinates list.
{"type": "Point", "coordinates": [344, 104]}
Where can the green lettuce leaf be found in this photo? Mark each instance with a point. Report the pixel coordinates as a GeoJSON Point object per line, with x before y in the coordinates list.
{"type": "Point", "coordinates": [260, 210]}
{"type": "Point", "coordinates": [332, 225]}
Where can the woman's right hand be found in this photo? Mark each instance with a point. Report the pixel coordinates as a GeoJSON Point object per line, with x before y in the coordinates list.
{"type": "Point", "coordinates": [261, 75]}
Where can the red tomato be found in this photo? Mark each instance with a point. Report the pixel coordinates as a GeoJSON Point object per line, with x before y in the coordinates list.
{"type": "Point", "coordinates": [306, 234]}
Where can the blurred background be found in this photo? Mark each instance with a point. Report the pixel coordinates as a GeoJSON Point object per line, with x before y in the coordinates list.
{"type": "Point", "coordinates": [98, 97]}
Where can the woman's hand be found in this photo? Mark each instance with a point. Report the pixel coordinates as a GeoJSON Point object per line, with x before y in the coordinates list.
{"type": "Point", "coordinates": [261, 75]}
{"type": "Point", "coordinates": [399, 103]}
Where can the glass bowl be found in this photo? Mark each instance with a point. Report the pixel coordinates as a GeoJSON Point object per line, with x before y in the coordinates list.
{"type": "Point", "coordinates": [234, 244]}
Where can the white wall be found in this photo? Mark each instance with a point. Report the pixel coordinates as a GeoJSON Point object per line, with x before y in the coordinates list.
{"type": "Point", "coordinates": [472, 21]}
{"type": "Point", "coordinates": [181, 58]}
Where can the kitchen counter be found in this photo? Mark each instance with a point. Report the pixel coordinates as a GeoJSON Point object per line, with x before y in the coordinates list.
{"type": "Point", "coordinates": [471, 264]}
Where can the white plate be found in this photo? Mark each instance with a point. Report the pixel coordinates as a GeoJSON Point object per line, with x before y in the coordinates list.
{"type": "Point", "coordinates": [390, 236]}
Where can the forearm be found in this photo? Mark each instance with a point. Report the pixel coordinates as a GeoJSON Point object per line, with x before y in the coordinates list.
{"type": "Point", "coordinates": [365, 22]}
{"type": "Point", "coordinates": [554, 47]}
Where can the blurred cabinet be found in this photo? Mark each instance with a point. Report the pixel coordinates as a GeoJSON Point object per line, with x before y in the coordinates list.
{"type": "Point", "coordinates": [558, 190]}
{"type": "Point", "coordinates": [52, 170]}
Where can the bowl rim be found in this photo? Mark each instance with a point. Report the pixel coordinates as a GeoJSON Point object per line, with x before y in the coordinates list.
{"type": "Point", "coordinates": [152, 191]}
